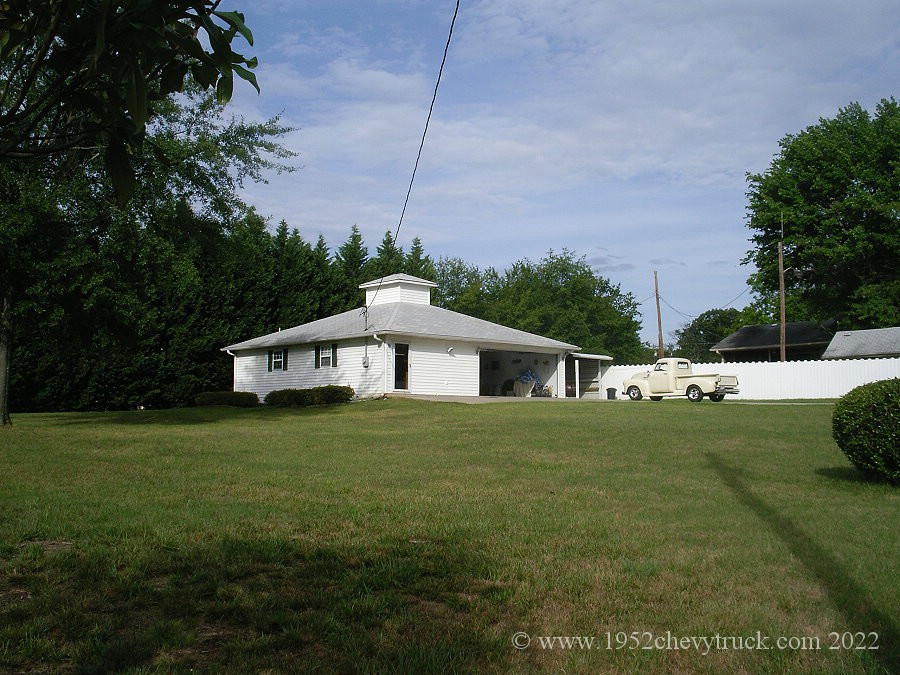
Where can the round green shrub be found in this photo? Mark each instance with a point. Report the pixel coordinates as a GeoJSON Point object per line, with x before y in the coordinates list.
{"type": "Point", "coordinates": [331, 393]}
{"type": "Point", "coordinates": [240, 399]}
{"type": "Point", "coordinates": [325, 395]}
{"type": "Point", "coordinates": [287, 398]}
{"type": "Point", "coordinates": [866, 427]}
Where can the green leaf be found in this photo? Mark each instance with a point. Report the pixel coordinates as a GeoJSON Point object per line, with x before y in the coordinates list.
{"type": "Point", "coordinates": [100, 29]}
{"type": "Point", "coordinates": [236, 21]}
{"type": "Point", "coordinates": [12, 40]}
{"type": "Point", "coordinates": [172, 78]}
{"type": "Point", "coordinates": [205, 74]}
{"type": "Point", "coordinates": [137, 96]}
{"type": "Point", "coordinates": [245, 74]}
{"type": "Point", "coordinates": [224, 88]}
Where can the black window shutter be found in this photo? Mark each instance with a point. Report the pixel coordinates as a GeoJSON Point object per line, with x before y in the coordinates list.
{"type": "Point", "coordinates": [284, 359]}
{"type": "Point", "coordinates": [270, 360]}
{"type": "Point", "coordinates": [318, 356]}
{"type": "Point", "coordinates": [334, 355]}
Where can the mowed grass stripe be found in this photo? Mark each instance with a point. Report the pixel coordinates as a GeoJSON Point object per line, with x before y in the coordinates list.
{"type": "Point", "coordinates": [417, 536]}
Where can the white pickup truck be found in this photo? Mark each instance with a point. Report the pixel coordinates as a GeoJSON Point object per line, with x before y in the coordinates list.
{"type": "Point", "coordinates": [674, 377]}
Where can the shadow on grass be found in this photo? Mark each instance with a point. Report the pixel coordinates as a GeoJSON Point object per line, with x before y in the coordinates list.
{"type": "Point", "coordinates": [845, 594]}
{"type": "Point", "coordinates": [255, 605]}
{"type": "Point", "coordinates": [187, 416]}
{"type": "Point", "coordinates": [849, 474]}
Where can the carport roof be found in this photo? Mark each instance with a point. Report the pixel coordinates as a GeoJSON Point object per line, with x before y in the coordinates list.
{"type": "Point", "coordinates": [406, 319]}
{"type": "Point", "coordinates": [593, 357]}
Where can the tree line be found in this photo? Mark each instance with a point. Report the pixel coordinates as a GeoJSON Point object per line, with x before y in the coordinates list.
{"type": "Point", "coordinates": [126, 260]}
{"type": "Point", "coordinates": [831, 196]}
{"type": "Point", "coordinates": [112, 315]}
{"type": "Point", "coordinates": [115, 305]}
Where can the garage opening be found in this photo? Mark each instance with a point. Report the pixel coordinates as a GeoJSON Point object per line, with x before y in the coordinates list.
{"type": "Point", "coordinates": [501, 373]}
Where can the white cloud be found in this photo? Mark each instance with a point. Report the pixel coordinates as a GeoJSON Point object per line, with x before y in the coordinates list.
{"type": "Point", "coordinates": [620, 130]}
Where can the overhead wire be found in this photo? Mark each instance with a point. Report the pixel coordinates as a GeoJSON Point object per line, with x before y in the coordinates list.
{"type": "Point", "coordinates": [734, 299]}
{"type": "Point", "coordinates": [412, 179]}
{"type": "Point", "coordinates": [691, 316]}
{"type": "Point", "coordinates": [686, 316]}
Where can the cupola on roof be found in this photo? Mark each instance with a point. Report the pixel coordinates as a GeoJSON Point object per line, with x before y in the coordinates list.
{"type": "Point", "coordinates": [398, 288]}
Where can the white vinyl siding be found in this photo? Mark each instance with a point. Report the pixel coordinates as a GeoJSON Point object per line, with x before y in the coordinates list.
{"type": "Point", "coordinates": [402, 292]}
{"type": "Point", "coordinates": [251, 370]}
{"type": "Point", "coordinates": [432, 370]}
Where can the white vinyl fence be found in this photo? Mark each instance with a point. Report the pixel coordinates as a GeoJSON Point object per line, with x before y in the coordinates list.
{"type": "Point", "coordinates": [772, 381]}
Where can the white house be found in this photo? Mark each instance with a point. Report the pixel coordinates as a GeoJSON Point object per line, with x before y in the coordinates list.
{"type": "Point", "coordinates": [400, 342]}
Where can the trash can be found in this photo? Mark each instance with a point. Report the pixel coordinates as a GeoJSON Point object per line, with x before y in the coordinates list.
{"type": "Point", "coordinates": [611, 394]}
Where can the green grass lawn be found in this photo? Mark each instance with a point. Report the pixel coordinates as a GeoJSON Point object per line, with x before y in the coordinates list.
{"type": "Point", "coordinates": [412, 536]}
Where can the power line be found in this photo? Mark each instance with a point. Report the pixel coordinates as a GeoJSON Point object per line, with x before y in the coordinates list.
{"type": "Point", "coordinates": [691, 316]}
{"type": "Point", "coordinates": [686, 316]}
{"type": "Point", "coordinates": [412, 179]}
{"type": "Point", "coordinates": [734, 299]}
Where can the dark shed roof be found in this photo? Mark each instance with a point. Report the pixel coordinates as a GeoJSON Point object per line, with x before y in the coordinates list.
{"type": "Point", "coordinates": [767, 336]}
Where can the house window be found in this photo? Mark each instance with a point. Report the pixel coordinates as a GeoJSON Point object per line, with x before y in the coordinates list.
{"type": "Point", "coordinates": [326, 356]}
{"type": "Point", "coordinates": [278, 359]}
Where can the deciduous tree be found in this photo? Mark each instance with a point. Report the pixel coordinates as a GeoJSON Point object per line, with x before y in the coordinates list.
{"type": "Point", "coordinates": [836, 188]}
{"type": "Point", "coordinates": [114, 305]}
{"type": "Point", "coordinates": [90, 72]}
{"type": "Point", "coordinates": [560, 297]}
{"type": "Point", "coordinates": [695, 339]}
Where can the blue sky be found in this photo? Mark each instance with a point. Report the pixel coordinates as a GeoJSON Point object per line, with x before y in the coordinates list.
{"type": "Point", "coordinates": [622, 131]}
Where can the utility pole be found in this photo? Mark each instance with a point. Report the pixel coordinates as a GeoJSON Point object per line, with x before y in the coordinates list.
{"type": "Point", "coordinates": [781, 330]}
{"type": "Point", "coordinates": [660, 351]}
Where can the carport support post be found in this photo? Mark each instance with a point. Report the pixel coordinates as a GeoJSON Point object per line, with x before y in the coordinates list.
{"type": "Point", "coordinates": [577, 379]}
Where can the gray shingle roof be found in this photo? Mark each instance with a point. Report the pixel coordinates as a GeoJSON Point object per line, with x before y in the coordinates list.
{"type": "Point", "coordinates": [409, 319]}
{"type": "Point", "coordinates": [858, 344]}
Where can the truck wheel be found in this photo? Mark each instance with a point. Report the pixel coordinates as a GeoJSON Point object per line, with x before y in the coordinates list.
{"type": "Point", "coordinates": [716, 397]}
{"type": "Point", "coordinates": [634, 393]}
{"type": "Point", "coordinates": [694, 393]}
{"type": "Point", "coordinates": [656, 398]}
